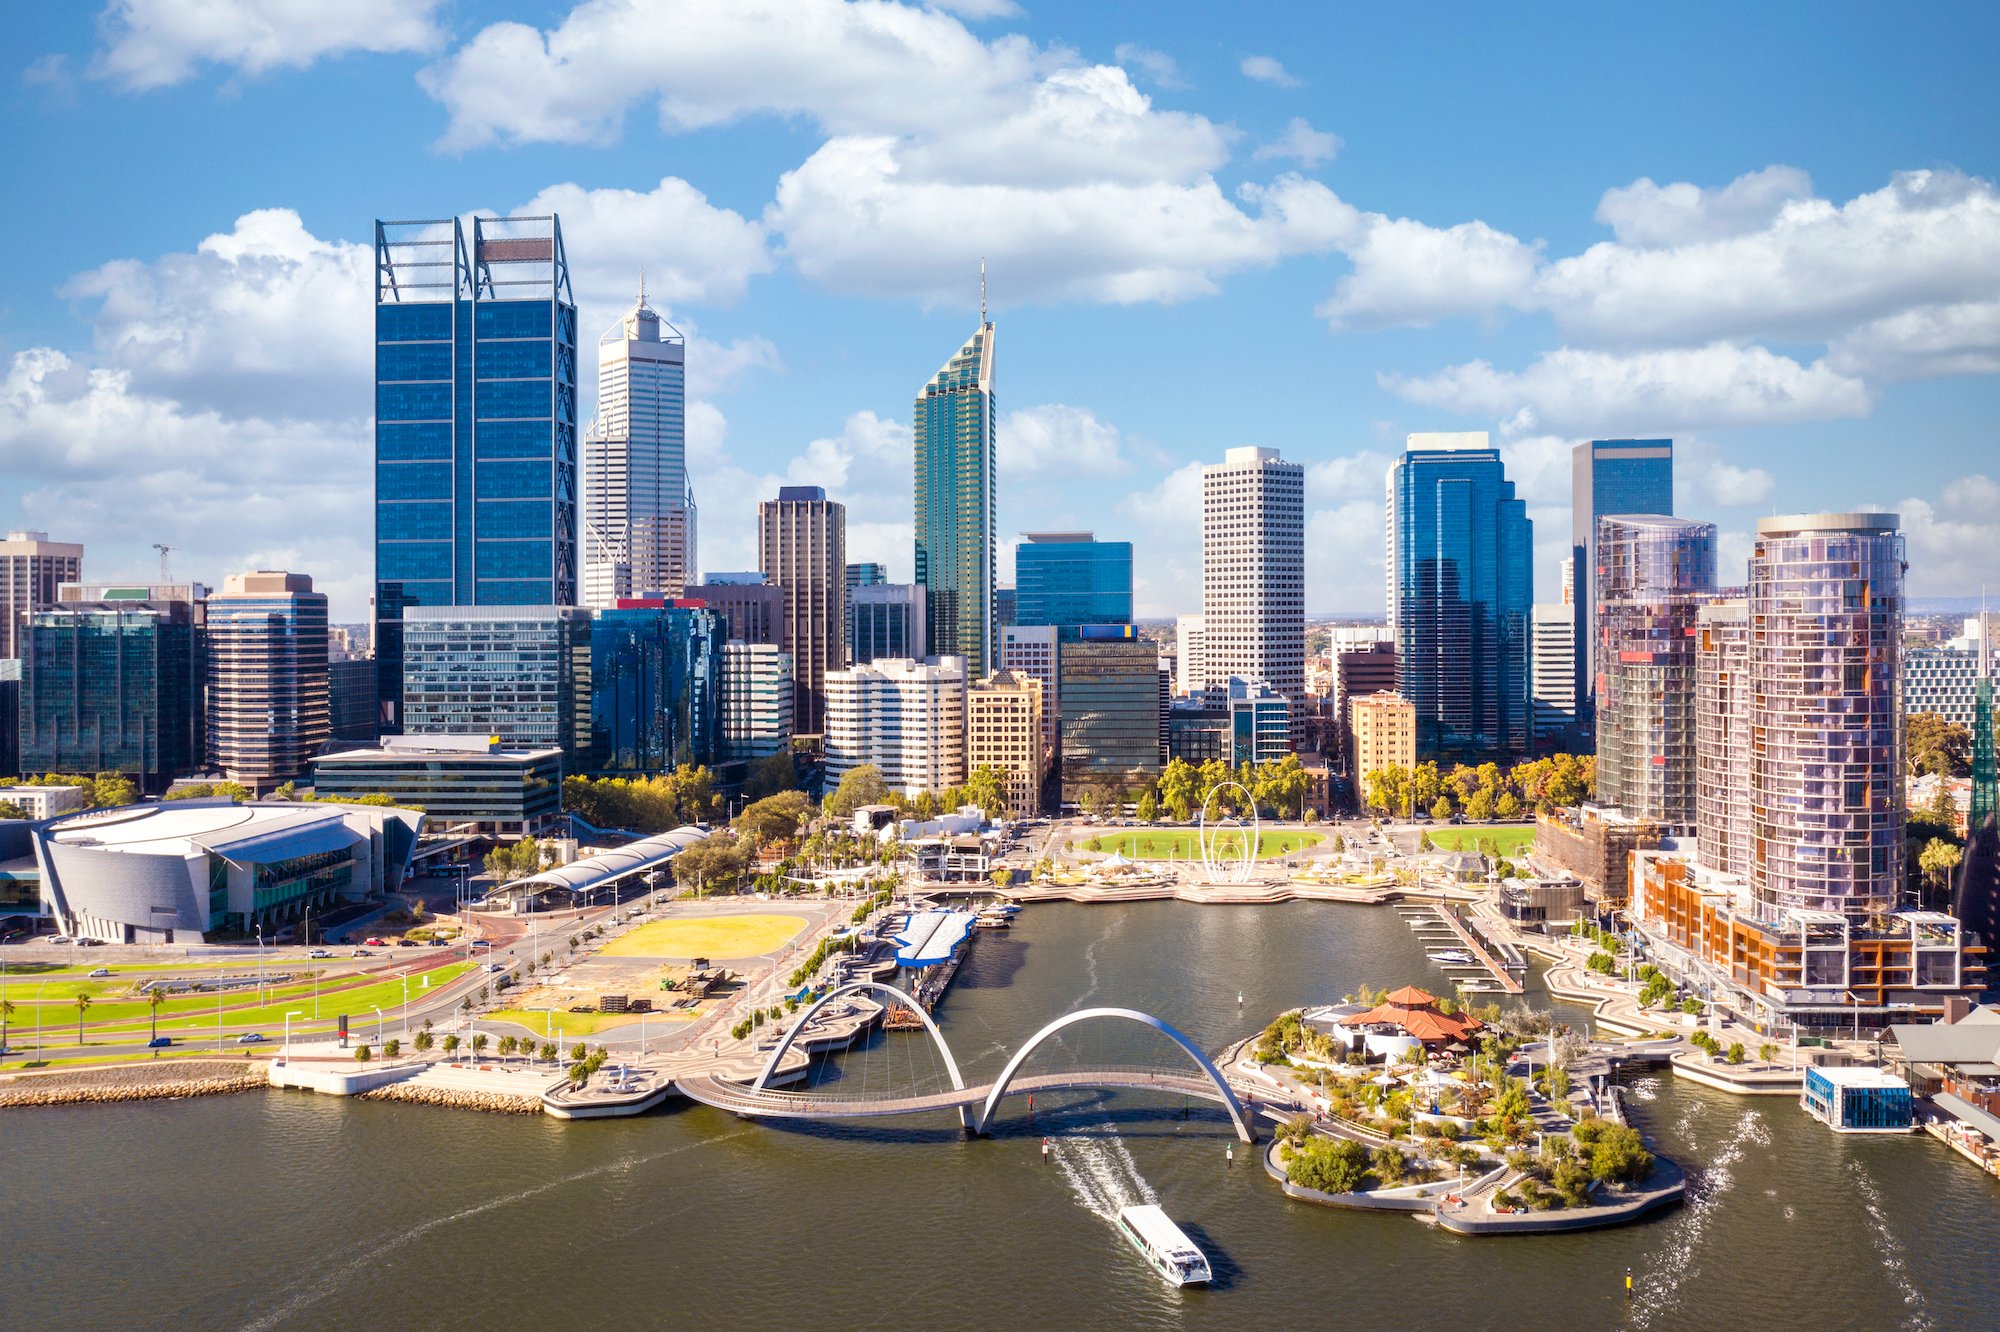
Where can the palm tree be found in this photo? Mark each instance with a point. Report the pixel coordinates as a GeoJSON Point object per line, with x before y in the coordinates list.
{"type": "Point", "coordinates": [154, 999]}
{"type": "Point", "coordinates": [82, 1007]}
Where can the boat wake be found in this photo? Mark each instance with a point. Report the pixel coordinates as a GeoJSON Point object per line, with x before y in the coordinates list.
{"type": "Point", "coordinates": [1659, 1289]}
{"type": "Point", "coordinates": [335, 1278]}
{"type": "Point", "coordinates": [1889, 1247]}
{"type": "Point", "coordinates": [1101, 1174]}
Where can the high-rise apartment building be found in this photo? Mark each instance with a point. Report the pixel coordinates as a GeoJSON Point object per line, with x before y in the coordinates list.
{"type": "Point", "coordinates": [1032, 650]}
{"type": "Point", "coordinates": [1553, 669]}
{"type": "Point", "coordinates": [1653, 573]}
{"type": "Point", "coordinates": [1359, 670]}
{"type": "Point", "coordinates": [1003, 730]}
{"type": "Point", "coordinates": [1384, 727]}
{"type": "Point", "coordinates": [756, 702]}
{"type": "Point", "coordinates": [1608, 476]}
{"type": "Point", "coordinates": [269, 711]}
{"type": "Point", "coordinates": [906, 717]}
{"type": "Point", "coordinates": [31, 568]}
{"type": "Point", "coordinates": [520, 674]}
{"type": "Point", "coordinates": [802, 547]}
{"type": "Point", "coordinates": [1071, 578]}
{"type": "Point", "coordinates": [655, 687]}
{"type": "Point", "coordinates": [1253, 606]}
{"type": "Point", "coordinates": [752, 610]}
{"type": "Point", "coordinates": [1108, 697]}
{"type": "Point", "coordinates": [638, 516]}
{"type": "Point", "coordinates": [1722, 737]}
{"type": "Point", "coordinates": [1463, 569]}
{"type": "Point", "coordinates": [112, 680]}
{"type": "Point", "coordinates": [885, 620]}
{"type": "Point", "coordinates": [954, 427]}
{"type": "Point", "coordinates": [1190, 668]}
{"type": "Point", "coordinates": [475, 424]}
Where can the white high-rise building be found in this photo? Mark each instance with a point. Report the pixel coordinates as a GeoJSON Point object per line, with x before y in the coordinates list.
{"type": "Point", "coordinates": [906, 717]}
{"type": "Point", "coordinates": [1190, 671]}
{"type": "Point", "coordinates": [756, 700]}
{"type": "Point", "coordinates": [1031, 650]}
{"type": "Point", "coordinates": [1553, 666]}
{"type": "Point", "coordinates": [1253, 573]}
{"type": "Point", "coordinates": [638, 514]}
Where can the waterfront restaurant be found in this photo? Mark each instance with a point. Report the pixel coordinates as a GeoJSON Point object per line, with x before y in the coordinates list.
{"type": "Point", "coordinates": [1405, 1018]}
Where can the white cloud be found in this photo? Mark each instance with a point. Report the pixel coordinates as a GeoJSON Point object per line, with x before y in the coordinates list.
{"type": "Point", "coordinates": [1301, 143]}
{"type": "Point", "coordinates": [977, 9]}
{"type": "Point", "coordinates": [1954, 541]}
{"type": "Point", "coordinates": [154, 43]}
{"type": "Point", "coordinates": [1954, 339]}
{"type": "Point", "coordinates": [1649, 216]}
{"type": "Point", "coordinates": [1159, 68]}
{"type": "Point", "coordinates": [693, 253]}
{"type": "Point", "coordinates": [1266, 69]}
{"type": "Point", "coordinates": [1072, 441]}
{"type": "Point", "coordinates": [1167, 579]}
{"type": "Point", "coordinates": [263, 318]}
{"type": "Point", "coordinates": [1730, 486]}
{"type": "Point", "coordinates": [1408, 273]}
{"type": "Point", "coordinates": [1589, 392]}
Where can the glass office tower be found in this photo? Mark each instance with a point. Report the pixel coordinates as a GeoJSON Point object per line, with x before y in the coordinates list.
{"type": "Point", "coordinates": [955, 488]}
{"type": "Point", "coordinates": [1609, 476]}
{"type": "Point", "coordinates": [475, 424]}
{"type": "Point", "coordinates": [655, 687]}
{"type": "Point", "coordinates": [1071, 578]}
{"type": "Point", "coordinates": [1463, 571]}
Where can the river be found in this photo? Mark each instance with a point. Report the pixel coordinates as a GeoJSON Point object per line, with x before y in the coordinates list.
{"type": "Point", "coordinates": [294, 1211]}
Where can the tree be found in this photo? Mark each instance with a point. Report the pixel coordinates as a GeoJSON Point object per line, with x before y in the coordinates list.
{"type": "Point", "coordinates": [479, 1043]}
{"type": "Point", "coordinates": [1388, 788]}
{"type": "Point", "coordinates": [717, 861]}
{"type": "Point", "coordinates": [1479, 806]}
{"type": "Point", "coordinates": [859, 786]}
{"type": "Point", "coordinates": [1390, 1165]}
{"type": "Point", "coordinates": [154, 998]}
{"type": "Point", "coordinates": [548, 1052]}
{"type": "Point", "coordinates": [362, 1054]}
{"type": "Point", "coordinates": [11, 810]}
{"type": "Point", "coordinates": [6, 1017]}
{"type": "Point", "coordinates": [770, 775]}
{"type": "Point", "coordinates": [423, 1041]}
{"type": "Point", "coordinates": [1937, 861]}
{"type": "Point", "coordinates": [1180, 787]}
{"type": "Point", "coordinates": [1614, 1150]}
{"type": "Point", "coordinates": [1148, 808]}
{"type": "Point", "coordinates": [391, 1048]}
{"type": "Point", "coordinates": [1339, 1165]}
{"type": "Point", "coordinates": [450, 1044]}
{"type": "Point", "coordinates": [508, 863]}
{"type": "Point", "coordinates": [1441, 810]}
{"type": "Point", "coordinates": [1936, 746]}
{"type": "Point", "coordinates": [775, 818]}
{"type": "Point", "coordinates": [82, 1007]}
{"type": "Point", "coordinates": [109, 790]}
{"type": "Point", "coordinates": [987, 788]}
{"type": "Point", "coordinates": [1508, 806]}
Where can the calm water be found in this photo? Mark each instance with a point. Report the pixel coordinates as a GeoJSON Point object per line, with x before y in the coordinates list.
{"type": "Point", "coordinates": [308, 1212]}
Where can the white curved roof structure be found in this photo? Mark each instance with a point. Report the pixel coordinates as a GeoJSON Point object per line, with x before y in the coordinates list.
{"type": "Point", "coordinates": [594, 871]}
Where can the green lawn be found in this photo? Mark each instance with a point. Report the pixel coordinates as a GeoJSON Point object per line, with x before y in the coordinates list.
{"type": "Point", "coordinates": [1184, 843]}
{"type": "Point", "coordinates": [1507, 840]}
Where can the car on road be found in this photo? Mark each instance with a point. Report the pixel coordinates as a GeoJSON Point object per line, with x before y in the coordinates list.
{"type": "Point", "coordinates": [57, 939]}
{"type": "Point", "coordinates": [101, 971]}
{"type": "Point", "coordinates": [317, 952]}
{"type": "Point", "coordinates": [363, 952]}
{"type": "Point", "coordinates": [376, 943]}
{"type": "Point", "coordinates": [250, 1038]}
{"type": "Point", "coordinates": [406, 943]}
{"type": "Point", "coordinates": [436, 943]}
{"type": "Point", "coordinates": [482, 943]}
{"type": "Point", "coordinates": [159, 1042]}
{"type": "Point", "coordinates": [494, 966]}
{"type": "Point", "coordinates": [90, 943]}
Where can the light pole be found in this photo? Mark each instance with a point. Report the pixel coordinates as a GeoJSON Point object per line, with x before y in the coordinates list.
{"type": "Point", "coordinates": [288, 1033]}
{"type": "Point", "coordinates": [378, 1022]}
{"type": "Point", "coordinates": [262, 996]}
{"type": "Point", "coordinates": [406, 1008]}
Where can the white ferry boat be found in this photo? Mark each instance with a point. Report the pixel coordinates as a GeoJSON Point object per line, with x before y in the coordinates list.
{"type": "Point", "coordinates": [1172, 1254]}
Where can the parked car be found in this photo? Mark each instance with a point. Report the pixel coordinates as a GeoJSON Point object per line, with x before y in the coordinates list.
{"type": "Point", "coordinates": [90, 943]}
{"type": "Point", "coordinates": [250, 1038]}
{"type": "Point", "coordinates": [159, 1042]}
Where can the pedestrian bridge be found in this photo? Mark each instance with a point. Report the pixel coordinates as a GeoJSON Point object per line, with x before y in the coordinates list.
{"type": "Point", "coordinates": [976, 1105]}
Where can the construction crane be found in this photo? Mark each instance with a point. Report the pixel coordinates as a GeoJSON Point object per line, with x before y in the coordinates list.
{"type": "Point", "coordinates": [165, 577]}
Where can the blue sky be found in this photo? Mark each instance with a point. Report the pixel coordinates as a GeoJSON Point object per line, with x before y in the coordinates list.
{"type": "Point", "coordinates": [1770, 232]}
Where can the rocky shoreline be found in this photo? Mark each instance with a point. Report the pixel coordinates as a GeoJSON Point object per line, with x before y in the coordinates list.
{"type": "Point", "coordinates": [457, 1098]}
{"type": "Point", "coordinates": [166, 1080]}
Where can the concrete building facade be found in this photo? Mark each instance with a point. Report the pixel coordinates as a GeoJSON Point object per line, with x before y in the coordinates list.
{"type": "Point", "coordinates": [1384, 727]}
{"type": "Point", "coordinates": [802, 547]}
{"type": "Point", "coordinates": [268, 705]}
{"type": "Point", "coordinates": [32, 567]}
{"type": "Point", "coordinates": [756, 701]}
{"type": "Point", "coordinates": [1003, 729]}
{"type": "Point", "coordinates": [1253, 571]}
{"type": "Point", "coordinates": [638, 517]}
{"type": "Point", "coordinates": [906, 717]}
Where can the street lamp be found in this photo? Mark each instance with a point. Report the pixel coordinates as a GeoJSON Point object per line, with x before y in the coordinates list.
{"type": "Point", "coordinates": [262, 997]}
{"type": "Point", "coordinates": [406, 1007]}
{"type": "Point", "coordinates": [288, 1033]}
{"type": "Point", "coordinates": [378, 1022]}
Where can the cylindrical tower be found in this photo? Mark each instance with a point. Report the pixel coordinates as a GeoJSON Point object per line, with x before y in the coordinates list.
{"type": "Point", "coordinates": [1826, 713]}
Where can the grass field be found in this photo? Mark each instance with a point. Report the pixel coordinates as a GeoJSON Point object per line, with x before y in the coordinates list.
{"type": "Point", "coordinates": [196, 1013]}
{"type": "Point", "coordinates": [718, 937]}
{"type": "Point", "coordinates": [1184, 843]}
{"type": "Point", "coordinates": [1508, 841]}
{"type": "Point", "coordinates": [576, 1024]}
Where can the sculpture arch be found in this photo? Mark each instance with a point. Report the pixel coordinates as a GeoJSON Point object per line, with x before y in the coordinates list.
{"type": "Point", "coordinates": [1244, 1128]}
{"type": "Point", "coordinates": [855, 987]}
{"type": "Point", "coordinates": [1213, 868]}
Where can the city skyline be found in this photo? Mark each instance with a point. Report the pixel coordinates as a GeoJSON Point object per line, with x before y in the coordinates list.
{"type": "Point", "coordinates": [151, 351]}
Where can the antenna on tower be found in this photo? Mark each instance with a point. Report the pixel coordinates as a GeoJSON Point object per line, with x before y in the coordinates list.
{"type": "Point", "coordinates": [163, 549]}
{"type": "Point", "coordinates": [642, 284]}
{"type": "Point", "coordinates": [982, 288]}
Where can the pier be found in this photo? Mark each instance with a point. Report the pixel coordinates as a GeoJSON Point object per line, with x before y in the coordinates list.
{"type": "Point", "coordinates": [1502, 973]}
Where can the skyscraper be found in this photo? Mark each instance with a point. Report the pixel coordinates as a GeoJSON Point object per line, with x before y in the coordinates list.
{"type": "Point", "coordinates": [1463, 569]}
{"type": "Point", "coordinates": [31, 568]}
{"type": "Point", "coordinates": [518, 673]}
{"type": "Point", "coordinates": [475, 424]}
{"type": "Point", "coordinates": [1653, 574]}
{"type": "Point", "coordinates": [868, 573]}
{"type": "Point", "coordinates": [655, 687]}
{"type": "Point", "coordinates": [268, 707]}
{"type": "Point", "coordinates": [884, 620]}
{"type": "Point", "coordinates": [1253, 608]}
{"type": "Point", "coordinates": [1608, 476]}
{"type": "Point", "coordinates": [1032, 650]}
{"type": "Point", "coordinates": [751, 611]}
{"type": "Point", "coordinates": [756, 701]}
{"type": "Point", "coordinates": [906, 717]}
{"type": "Point", "coordinates": [802, 547]}
{"type": "Point", "coordinates": [1109, 701]}
{"type": "Point", "coordinates": [1071, 578]}
{"type": "Point", "coordinates": [1554, 670]}
{"type": "Point", "coordinates": [638, 513]}
{"type": "Point", "coordinates": [1722, 737]}
{"type": "Point", "coordinates": [953, 426]}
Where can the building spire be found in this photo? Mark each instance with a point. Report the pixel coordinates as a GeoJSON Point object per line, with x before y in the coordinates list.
{"type": "Point", "coordinates": [982, 289]}
{"type": "Point", "coordinates": [642, 284]}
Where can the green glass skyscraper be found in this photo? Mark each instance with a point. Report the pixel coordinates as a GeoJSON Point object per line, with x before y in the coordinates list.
{"type": "Point", "coordinates": [953, 425]}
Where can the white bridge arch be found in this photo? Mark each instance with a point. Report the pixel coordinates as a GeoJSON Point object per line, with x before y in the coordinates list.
{"type": "Point", "coordinates": [1244, 1130]}
{"type": "Point", "coordinates": [855, 987]}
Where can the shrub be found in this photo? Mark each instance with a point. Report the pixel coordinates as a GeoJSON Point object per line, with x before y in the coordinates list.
{"type": "Point", "coordinates": [391, 1048]}
{"type": "Point", "coordinates": [1602, 964]}
{"type": "Point", "coordinates": [363, 1054]}
{"type": "Point", "coordinates": [1736, 1052]}
{"type": "Point", "coordinates": [450, 1044]}
{"type": "Point", "coordinates": [1331, 1166]}
{"type": "Point", "coordinates": [548, 1052]}
{"type": "Point", "coordinates": [424, 1040]}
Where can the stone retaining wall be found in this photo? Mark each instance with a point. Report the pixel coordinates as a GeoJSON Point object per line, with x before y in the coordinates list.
{"type": "Point", "coordinates": [165, 1080]}
{"type": "Point", "coordinates": [457, 1098]}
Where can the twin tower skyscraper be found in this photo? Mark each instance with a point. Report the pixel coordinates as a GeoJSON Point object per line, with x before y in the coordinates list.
{"type": "Point", "coordinates": [479, 498]}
